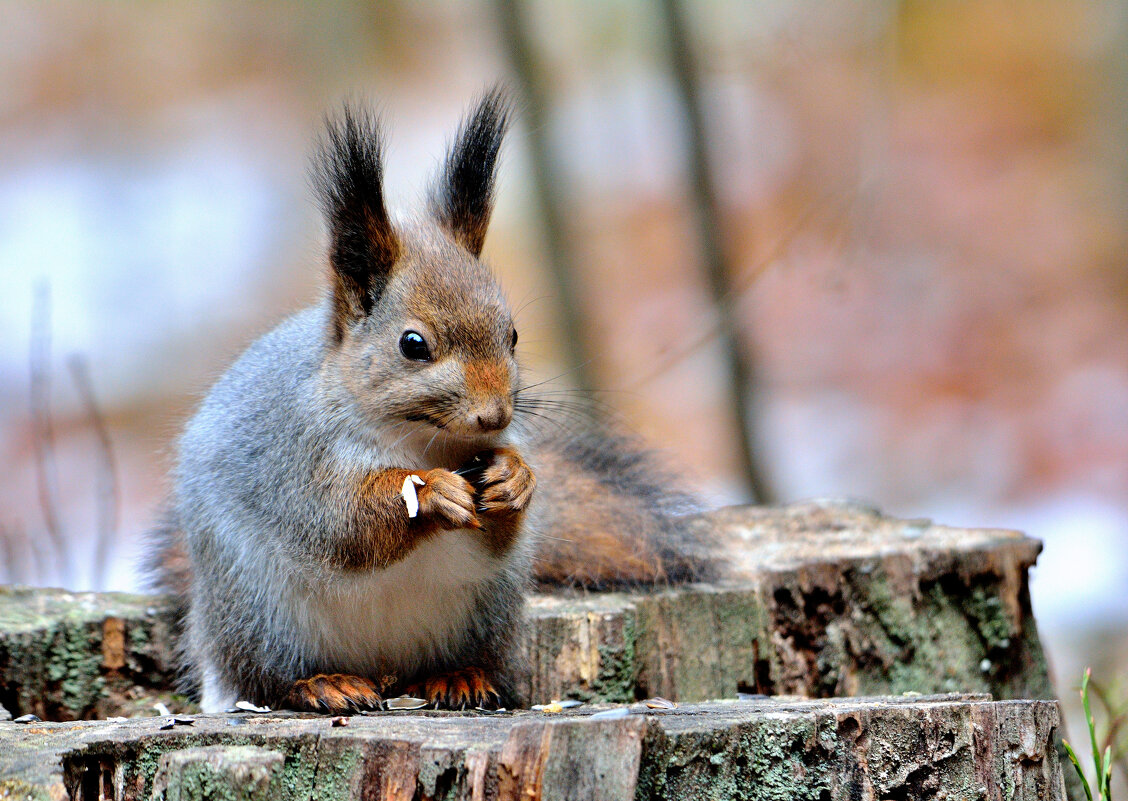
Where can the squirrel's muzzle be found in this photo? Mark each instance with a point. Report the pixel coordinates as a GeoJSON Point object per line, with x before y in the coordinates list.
{"type": "Point", "coordinates": [494, 416]}
{"type": "Point", "coordinates": [487, 385]}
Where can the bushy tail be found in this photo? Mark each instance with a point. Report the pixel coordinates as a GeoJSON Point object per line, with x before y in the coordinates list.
{"type": "Point", "coordinates": [610, 516]}
{"type": "Point", "coordinates": [165, 563]}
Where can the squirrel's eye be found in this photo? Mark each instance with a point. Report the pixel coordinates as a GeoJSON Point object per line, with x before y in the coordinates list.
{"type": "Point", "coordinates": [513, 340]}
{"type": "Point", "coordinates": [414, 347]}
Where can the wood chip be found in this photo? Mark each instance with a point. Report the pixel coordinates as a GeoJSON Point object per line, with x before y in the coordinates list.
{"type": "Point", "coordinates": [339, 721]}
{"type": "Point", "coordinates": [556, 706]}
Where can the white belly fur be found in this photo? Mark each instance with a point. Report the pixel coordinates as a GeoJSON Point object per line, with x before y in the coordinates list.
{"type": "Point", "coordinates": [382, 622]}
{"type": "Point", "coordinates": [392, 620]}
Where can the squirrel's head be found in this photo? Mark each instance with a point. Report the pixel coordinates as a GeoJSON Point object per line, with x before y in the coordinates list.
{"type": "Point", "coordinates": [419, 333]}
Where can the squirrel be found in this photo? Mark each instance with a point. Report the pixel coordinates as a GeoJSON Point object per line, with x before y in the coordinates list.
{"type": "Point", "coordinates": [304, 577]}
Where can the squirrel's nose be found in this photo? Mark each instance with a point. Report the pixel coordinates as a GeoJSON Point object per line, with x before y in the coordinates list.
{"type": "Point", "coordinates": [494, 418]}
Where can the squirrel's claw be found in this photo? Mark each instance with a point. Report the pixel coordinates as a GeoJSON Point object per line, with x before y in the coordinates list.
{"type": "Point", "coordinates": [449, 498]}
{"type": "Point", "coordinates": [465, 688]}
{"type": "Point", "coordinates": [335, 692]}
{"type": "Point", "coordinates": [508, 484]}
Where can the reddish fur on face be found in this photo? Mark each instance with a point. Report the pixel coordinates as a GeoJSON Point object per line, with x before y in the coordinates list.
{"type": "Point", "coordinates": [458, 689]}
{"type": "Point", "coordinates": [334, 692]}
{"type": "Point", "coordinates": [487, 384]}
{"type": "Point", "coordinates": [486, 379]}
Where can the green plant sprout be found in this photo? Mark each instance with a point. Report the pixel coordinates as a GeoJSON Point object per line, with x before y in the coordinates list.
{"type": "Point", "coordinates": [1103, 764]}
{"type": "Point", "coordinates": [1114, 699]}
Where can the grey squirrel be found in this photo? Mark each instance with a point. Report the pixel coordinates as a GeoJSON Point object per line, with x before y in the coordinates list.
{"type": "Point", "coordinates": [304, 579]}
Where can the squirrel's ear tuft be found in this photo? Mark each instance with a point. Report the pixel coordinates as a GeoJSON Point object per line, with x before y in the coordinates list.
{"type": "Point", "coordinates": [348, 174]}
{"type": "Point", "coordinates": [462, 196]}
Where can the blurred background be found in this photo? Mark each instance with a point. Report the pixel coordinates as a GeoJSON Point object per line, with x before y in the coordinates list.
{"type": "Point", "coordinates": [882, 242]}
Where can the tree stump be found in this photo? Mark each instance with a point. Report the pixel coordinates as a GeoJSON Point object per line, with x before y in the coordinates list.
{"type": "Point", "coordinates": [823, 600]}
{"type": "Point", "coordinates": [849, 749]}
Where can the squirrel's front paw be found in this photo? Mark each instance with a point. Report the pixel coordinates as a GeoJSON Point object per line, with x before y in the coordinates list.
{"type": "Point", "coordinates": [447, 499]}
{"type": "Point", "coordinates": [506, 485]}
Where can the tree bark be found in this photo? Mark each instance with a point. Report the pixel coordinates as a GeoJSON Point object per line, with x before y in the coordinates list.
{"type": "Point", "coordinates": [856, 749]}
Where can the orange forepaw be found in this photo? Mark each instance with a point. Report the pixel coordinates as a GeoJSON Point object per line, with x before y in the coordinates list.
{"type": "Point", "coordinates": [334, 692]}
{"type": "Point", "coordinates": [448, 499]}
{"type": "Point", "coordinates": [507, 484]}
{"type": "Point", "coordinates": [458, 689]}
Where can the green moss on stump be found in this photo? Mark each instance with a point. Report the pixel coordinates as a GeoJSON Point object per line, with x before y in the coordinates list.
{"type": "Point", "coordinates": [618, 673]}
{"type": "Point", "coordinates": [56, 663]}
{"type": "Point", "coordinates": [219, 773]}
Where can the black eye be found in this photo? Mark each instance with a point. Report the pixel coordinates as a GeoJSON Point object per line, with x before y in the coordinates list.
{"type": "Point", "coordinates": [414, 347]}
{"type": "Point", "coordinates": [513, 340]}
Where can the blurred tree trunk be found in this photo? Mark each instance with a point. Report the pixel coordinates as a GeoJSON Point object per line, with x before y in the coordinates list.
{"type": "Point", "coordinates": [1115, 102]}
{"type": "Point", "coordinates": [737, 354]}
{"type": "Point", "coordinates": [550, 200]}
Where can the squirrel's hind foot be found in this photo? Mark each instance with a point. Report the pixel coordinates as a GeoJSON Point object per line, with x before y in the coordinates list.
{"type": "Point", "coordinates": [465, 688]}
{"type": "Point", "coordinates": [336, 692]}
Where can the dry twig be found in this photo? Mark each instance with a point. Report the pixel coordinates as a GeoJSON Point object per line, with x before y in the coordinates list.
{"type": "Point", "coordinates": [42, 429]}
{"type": "Point", "coordinates": [109, 497]}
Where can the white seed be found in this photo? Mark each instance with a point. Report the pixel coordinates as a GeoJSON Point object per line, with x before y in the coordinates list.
{"type": "Point", "coordinates": [410, 498]}
{"type": "Point", "coordinates": [406, 702]}
{"type": "Point", "coordinates": [247, 706]}
{"type": "Point", "coordinates": [611, 714]}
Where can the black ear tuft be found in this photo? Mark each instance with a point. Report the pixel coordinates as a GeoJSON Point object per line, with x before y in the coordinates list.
{"type": "Point", "coordinates": [462, 197]}
{"type": "Point", "coordinates": [348, 174]}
